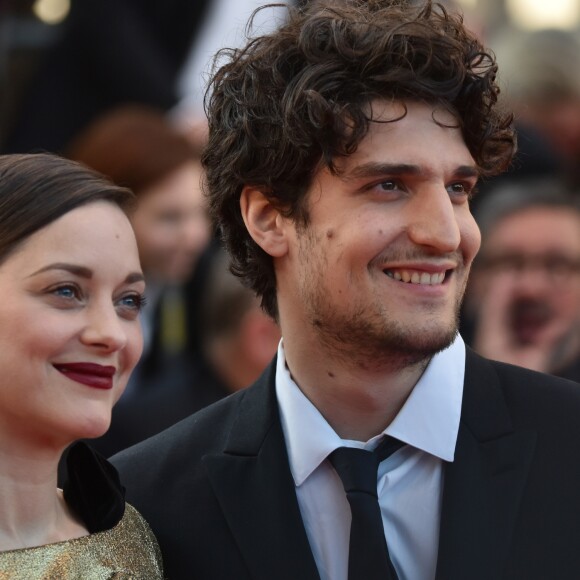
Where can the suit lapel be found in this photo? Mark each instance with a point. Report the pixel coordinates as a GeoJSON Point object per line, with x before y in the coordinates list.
{"type": "Point", "coordinates": [484, 484]}
{"type": "Point", "coordinates": [254, 486]}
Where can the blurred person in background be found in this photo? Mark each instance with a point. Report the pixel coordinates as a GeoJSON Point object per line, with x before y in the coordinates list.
{"type": "Point", "coordinates": [71, 288]}
{"type": "Point", "coordinates": [237, 340]}
{"type": "Point", "coordinates": [539, 76]}
{"type": "Point", "coordinates": [136, 147]}
{"type": "Point", "coordinates": [116, 52]}
{"type": "Point", "coordinates": [110, 52]}
{"type": "Point", "coordinates": [524, 294]}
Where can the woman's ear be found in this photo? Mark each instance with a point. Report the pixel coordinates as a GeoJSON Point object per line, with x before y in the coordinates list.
{"type": "Point", "coordinates": [265, 223]}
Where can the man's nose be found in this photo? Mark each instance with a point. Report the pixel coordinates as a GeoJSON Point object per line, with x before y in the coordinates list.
{"type": "Point", "coordinates": [432, 221]}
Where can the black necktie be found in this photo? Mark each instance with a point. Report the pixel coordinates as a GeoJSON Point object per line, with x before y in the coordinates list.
{"type": "Point", "coordinates": [368, 557]}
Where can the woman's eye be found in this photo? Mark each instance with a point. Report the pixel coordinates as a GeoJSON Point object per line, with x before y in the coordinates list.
{"type": "Point", "coordinates": [134, 302]}
{"type": "Point", "coordinates": [68, 292]}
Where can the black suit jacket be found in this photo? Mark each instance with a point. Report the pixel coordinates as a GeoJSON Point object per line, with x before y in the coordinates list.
{"type": "Point", "coordinates": [218, 492]}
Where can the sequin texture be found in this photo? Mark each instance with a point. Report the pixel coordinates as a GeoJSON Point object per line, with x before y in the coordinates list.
{"type": "Point", "coordinates": [126, 551]}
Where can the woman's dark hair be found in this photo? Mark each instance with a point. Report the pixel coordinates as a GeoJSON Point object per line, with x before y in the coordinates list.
{"type": "Point", "coordinates": [298, 99]}
{"type": "Point", "coordinates": [37, 189]}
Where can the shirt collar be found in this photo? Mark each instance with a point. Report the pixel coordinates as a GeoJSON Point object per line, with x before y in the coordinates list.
{"type": "Point", "coordinates": [429, 419]}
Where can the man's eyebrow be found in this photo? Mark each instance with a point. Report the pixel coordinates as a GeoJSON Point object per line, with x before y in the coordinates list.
{"type": "Point", "coordinates": [467, 171]}
{"type": "Point", "coordinates": [84, 272]}
{"type": "Point", "coordinates": [375, 169]}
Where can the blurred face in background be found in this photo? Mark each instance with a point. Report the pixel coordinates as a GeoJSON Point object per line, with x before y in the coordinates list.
{"type": "Point", "coordinates": [559, 122]}
{"type": "Point", "coordinates": [535, 255]}
{"type": "Point", "coordinates": [171, 224]}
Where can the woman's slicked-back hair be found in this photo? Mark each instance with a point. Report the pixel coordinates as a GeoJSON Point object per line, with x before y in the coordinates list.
{"type": "Point", "coordinates": [37, 189]}
{"type": "Point", "coordinates": [296, 100]}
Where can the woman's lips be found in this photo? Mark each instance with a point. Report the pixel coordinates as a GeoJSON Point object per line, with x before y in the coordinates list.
{"type": "Point", "coordinates": [90, 374]}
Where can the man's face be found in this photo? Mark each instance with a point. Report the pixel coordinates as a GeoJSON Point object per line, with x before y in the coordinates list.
{"type": "Point", "coordinates": [380, 270]}
{"type": "Point", "coordinates": [535, 256]}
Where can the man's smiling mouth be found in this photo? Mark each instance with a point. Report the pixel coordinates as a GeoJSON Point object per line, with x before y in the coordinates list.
{"type": "Point", "coordinates": [417, 277]}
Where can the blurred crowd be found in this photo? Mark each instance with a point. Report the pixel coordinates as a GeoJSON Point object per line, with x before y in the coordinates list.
{"type": "Point", "coordinates": [119, 87]}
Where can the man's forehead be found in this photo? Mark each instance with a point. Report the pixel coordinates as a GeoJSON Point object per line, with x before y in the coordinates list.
{"type": "Point", "coordinates": [409, 137]}
{"type": "Point", "coordinates": [392, 110]}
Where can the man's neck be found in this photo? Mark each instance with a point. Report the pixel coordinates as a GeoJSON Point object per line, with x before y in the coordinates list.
{"type": "Point", "coordinates": [358, 401]}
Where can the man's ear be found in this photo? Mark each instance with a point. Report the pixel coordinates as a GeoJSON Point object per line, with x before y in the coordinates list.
{"type": "Point", "coordinates": [265, 223]}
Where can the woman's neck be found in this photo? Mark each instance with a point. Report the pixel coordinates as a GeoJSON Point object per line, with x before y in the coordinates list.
{"type": "Point", "coordinates": [32, 509]}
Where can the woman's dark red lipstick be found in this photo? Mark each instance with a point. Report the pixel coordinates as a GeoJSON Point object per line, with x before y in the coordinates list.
{"type": "Point", "coordinates": [90, 374]}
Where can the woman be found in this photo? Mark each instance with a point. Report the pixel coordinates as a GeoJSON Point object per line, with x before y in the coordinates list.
{"type": "Point", "coordinates": [71, 288]}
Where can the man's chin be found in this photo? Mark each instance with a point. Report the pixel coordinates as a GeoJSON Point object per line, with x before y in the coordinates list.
{"type": "Point", "coordinates": [393, 346]}
{"type": "Point", "coordinates": [421, 345]}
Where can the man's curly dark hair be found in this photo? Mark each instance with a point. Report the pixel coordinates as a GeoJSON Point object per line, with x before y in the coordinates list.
{"type": "Point", "coordinates": [296, 100]}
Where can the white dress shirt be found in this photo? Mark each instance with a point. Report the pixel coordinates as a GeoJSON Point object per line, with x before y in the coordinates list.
{"type": "Point", "coordinates": [410, 482]}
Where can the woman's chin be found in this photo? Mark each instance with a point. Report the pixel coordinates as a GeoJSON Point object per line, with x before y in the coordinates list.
{"type": "Point", "coordinates": [94, 427]}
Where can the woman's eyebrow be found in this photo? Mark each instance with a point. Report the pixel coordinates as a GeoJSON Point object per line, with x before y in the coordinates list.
{"type": "Point", "coordinates": [80, 271]}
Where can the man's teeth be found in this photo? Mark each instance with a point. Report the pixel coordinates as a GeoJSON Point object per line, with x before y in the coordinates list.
{"type": "Point", "coordinates": [416, 277]}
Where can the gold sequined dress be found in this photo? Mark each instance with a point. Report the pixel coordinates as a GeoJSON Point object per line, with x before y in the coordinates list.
{"type": "Point", "coordinates": [120, 545]}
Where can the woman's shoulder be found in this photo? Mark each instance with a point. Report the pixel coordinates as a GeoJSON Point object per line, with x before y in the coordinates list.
{"type": "Point", "coordinates": [120, 543]}
{"type": "Point", "coordinates": [128, 550]}
{"type": "Point", "coordinates": [131, 546]}
{"type": "Point", "coordinates": [93, 491]}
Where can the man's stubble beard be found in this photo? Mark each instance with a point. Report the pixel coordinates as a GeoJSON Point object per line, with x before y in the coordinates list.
{"type": "Point", "coordinates": [368, 335]}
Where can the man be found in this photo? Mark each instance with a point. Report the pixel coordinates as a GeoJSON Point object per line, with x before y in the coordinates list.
{"type": "Point", "coordinates": [524, 293]}
{"type": "Point", "coordinates": [343, 150]}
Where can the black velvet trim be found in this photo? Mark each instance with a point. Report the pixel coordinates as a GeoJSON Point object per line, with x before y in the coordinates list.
{"type": "Point", "coordinates": [93, 489]}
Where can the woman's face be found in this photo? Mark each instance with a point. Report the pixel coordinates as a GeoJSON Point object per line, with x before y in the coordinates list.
{"type": "Point", "coordinates": [69, 328]}
{"type": "Point", "coordinates": [172, 225]}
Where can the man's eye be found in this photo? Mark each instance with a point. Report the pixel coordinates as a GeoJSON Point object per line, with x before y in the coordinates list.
{"type": "Point", "coordinates": [461, 189]}
{"type": "Point", "coordinates": [458, 188]}
{"type": "Point", "coordinates": [388, 185]}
